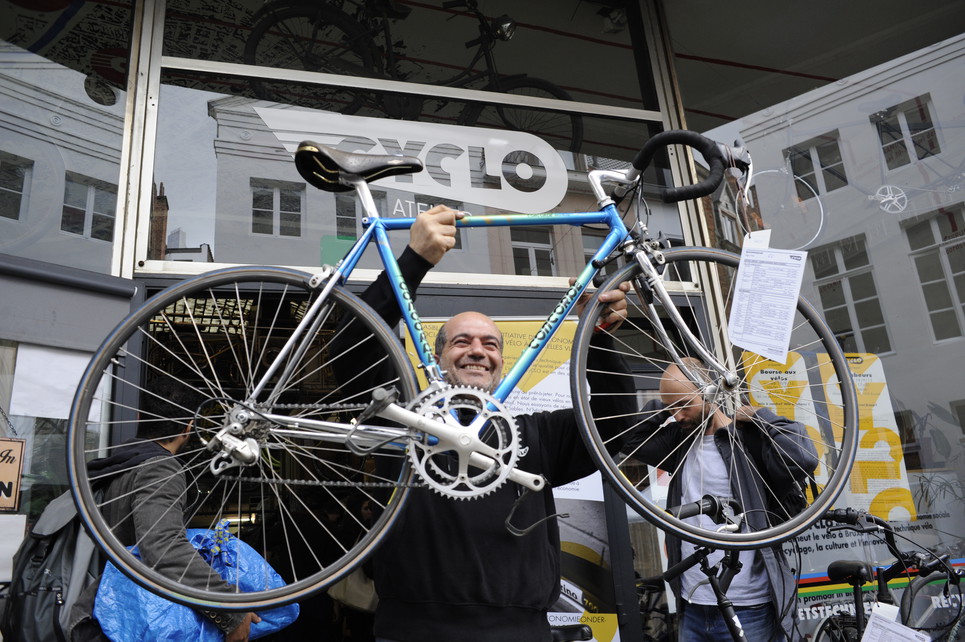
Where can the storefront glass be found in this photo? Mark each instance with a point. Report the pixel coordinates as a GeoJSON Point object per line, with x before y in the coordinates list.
{"type": "Point", "coordinates": [63, 70]}
{"type": "Point", "coordinates": [865, 175]}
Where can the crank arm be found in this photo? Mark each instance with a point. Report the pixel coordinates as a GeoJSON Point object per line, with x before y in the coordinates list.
{"type": "Point", "coordinates": [460, 441]}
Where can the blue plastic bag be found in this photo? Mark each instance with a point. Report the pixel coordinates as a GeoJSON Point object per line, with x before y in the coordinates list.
{"type": "Point", "coordinates": [130, 613]}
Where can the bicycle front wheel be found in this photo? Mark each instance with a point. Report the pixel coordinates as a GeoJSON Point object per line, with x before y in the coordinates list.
{"type": "Point", "coordinates": [311, 36]}
{"type": "Point", "coordinates": [562, 130]}
{"type": "Point", "coordinates": [647, 462]}
{"type": "Point", "coordinates": [312, 498]}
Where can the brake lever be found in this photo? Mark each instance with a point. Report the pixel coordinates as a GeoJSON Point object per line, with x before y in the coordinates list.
{"type": "Point", "coordinates": [737, 157]}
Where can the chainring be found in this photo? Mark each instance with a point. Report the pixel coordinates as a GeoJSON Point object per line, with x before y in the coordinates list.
{"type": "Point", "coordinates": [446, 468]}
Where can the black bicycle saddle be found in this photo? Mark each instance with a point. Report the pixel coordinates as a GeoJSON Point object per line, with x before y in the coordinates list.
{"type": "Point", "coordinates": [324, 166]}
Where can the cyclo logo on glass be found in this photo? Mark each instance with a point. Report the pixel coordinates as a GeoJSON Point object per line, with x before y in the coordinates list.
{"type": "Point", "coordinates": [500, 169]}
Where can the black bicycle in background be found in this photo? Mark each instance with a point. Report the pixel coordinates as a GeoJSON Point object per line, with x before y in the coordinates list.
{"type": "Point", "coordinates": [931, 603]}
{"type": "Point", "coordinates": [354, 38]}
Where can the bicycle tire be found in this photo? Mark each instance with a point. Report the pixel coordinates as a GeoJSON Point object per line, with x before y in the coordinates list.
{"type": "Point", "coordinates": [835, 440]}
{"type": "Point", "coordinates": [211, 337]}
{"type": "Point", "coordinates": [562, 130]}
{"type": "Point", "coordinates": [315, 37]}
{"type": "Point", "coordinates": [921, 612]}
{"type": "Point", "coordinates": [837, 628]}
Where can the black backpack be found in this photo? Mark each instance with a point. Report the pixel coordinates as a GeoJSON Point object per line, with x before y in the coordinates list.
{"type": "Point", "coordinates": [55, 562]}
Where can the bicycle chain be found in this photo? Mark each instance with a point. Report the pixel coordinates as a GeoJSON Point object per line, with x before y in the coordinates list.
{"type": "Point", "coordinates": [335, 484]}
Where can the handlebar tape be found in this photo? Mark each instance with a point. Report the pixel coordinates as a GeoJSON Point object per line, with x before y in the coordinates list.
{"type": "Point", "coordinates": [707, 148]}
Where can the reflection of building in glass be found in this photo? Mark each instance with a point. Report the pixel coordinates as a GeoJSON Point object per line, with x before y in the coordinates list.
{"type": "Point", "coordinates": [885, 264]}
{"type": "Point", "coordinates": [59, 162]}
{"type": "Point", "coordinates": [265, 213]}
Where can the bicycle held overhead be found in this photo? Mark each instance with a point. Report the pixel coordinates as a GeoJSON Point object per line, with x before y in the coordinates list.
{"type": "Point", "coordinates": [280, 428]}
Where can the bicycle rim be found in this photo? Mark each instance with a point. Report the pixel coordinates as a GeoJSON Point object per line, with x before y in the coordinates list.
{"type": "Point", "coordinates": [562, 130]}
{"type": "Point", "coordinates": [814, 388]}
{"type": "Point", "coordinates": [191, 355]}
{"type": "Point", "coordinates": [837, 628]}
{"type": "Point", "coordinates": [310, 37]}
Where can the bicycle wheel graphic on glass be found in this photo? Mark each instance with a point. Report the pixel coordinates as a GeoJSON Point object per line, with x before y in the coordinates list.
{"type": "Point", "coordinates": [647, 458]}
{"type": "Point", "coordinates": [310, 499]}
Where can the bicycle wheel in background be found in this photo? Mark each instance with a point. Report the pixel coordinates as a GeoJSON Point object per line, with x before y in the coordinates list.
{"type": "Point", "coordinates": [933, 605]}
{"type": "Point", "coordinates": [192, 354]}
{"type": "Point", "coordinates": [312, 36]}
{"type": "Point", "coordinates": [814, 388]}
{"type": "Point", "coordinates": [562, 130]}
{"type": "Point", "coordinates": [837, 628]}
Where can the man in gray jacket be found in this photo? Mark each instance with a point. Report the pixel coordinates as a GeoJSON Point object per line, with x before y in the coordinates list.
{"type": "Point", "coordinates": [145, 501]}
{"type": "Point", "coordinates": [711, 453]}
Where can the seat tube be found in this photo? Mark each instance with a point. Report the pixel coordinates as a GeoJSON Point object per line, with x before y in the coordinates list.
{"type": "Point", "coordinates": [406, 304]}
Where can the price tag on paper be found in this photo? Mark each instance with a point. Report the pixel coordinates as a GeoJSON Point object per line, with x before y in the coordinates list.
{"type": "Point", "coordinates": [765, 299]}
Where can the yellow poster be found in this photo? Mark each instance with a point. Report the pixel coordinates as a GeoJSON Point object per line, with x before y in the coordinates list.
{"type": "Point", "coordinates": [879, 480]}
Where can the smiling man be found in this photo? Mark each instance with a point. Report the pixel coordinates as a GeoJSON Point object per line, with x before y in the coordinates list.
{"type": "Point", "coordinates": [449, 570]}
{"type": "Point", "coordinates": [469, 348]}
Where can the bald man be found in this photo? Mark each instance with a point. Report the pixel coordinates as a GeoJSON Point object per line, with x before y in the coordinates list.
{"type": "Point", "coordinates": [724, 456]}
{"type": "Point", "coordinates": [449, 571]}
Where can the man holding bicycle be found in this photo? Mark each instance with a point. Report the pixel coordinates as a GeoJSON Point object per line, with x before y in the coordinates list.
{"type": "Point", "coordinates": [728, 458]}
{"type": "Point", "coordinates": [450, 570]}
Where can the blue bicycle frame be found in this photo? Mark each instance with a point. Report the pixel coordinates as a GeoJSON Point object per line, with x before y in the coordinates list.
{"type": "Point", "coordinates": [377, 228]}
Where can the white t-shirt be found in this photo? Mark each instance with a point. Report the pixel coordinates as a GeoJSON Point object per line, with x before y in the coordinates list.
{"type": "Point", "coordinates": [704, 473]}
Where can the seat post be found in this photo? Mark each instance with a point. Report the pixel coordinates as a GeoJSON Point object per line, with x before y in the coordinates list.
{"type": "Point", "coordinates": [361, 187]}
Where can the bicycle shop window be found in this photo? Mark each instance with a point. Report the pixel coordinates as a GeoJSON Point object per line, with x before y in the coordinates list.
{"type": "Point", "coordinates": [819, 163]}
{"type": "Point", "coordinates": [276, 207]}
{"type": "Point", "coordinates": [89, 207]}
{"type": "Point", "coordinates": [845, 282]}
{"type": "Point", "coordinates": [937, 244]}
{"type": "Point", "coordinates": [15, 173]}
{"type": "Point", "coordinates": [907, 130]}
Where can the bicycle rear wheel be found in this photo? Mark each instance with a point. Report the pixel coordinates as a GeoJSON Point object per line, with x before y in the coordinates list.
{"type": "Point", "coordinates": [814, 388]}
{"type": "Point", "coordinates": [310, 37]}
{"type": "Point", "coordinates": [316, 499]}
{"type": "Point", "coordinates": [562, 130]}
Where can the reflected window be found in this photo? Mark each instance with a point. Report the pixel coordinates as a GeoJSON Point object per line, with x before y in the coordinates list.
{"type": "Point", "coordinates": [938, 250]}
{"type": "Point", "coordinates": [818, 163]}
{"type": "Point", "coordinates": [276, 207]}
{"type": "Point", "coordinates": [907, 131]}
{"type": "Point", "coordinates": [726, 218]}
{"type": "Point", "coordinates": [533, 250]}
{"type": "Point", "coordinates": [89, 207]}
{"type": "Point", "coordinates": [849, 297]}
{"type": "Point", "coordinates": [14, 185]}
{"type": "Point", "coordinates": [345, 217]}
